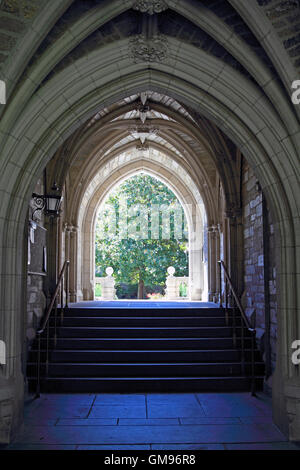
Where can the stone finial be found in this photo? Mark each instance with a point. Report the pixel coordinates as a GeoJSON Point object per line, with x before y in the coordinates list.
{"type": "Point", "coordinates": [154, 49]}
{"type": "Point", "coordinates": [150, 6]}
{"type": "Point", "coordinates": [109, 271]}
{"type": "Point", "coordinates": [171, 270]}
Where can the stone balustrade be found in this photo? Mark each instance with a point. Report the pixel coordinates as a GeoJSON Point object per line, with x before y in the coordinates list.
{"type": "Point", "coordinates": [173, 285]}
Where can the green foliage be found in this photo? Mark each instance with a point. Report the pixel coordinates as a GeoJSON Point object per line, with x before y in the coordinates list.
{"type": "Point", "coordinates": [151, 239]}
{"type": "Point", "coordinates": [126, 291]}
{"type": "Point", "coordinates": [183, 289]}
{"type": "Point", "coordinates": [98, 290]}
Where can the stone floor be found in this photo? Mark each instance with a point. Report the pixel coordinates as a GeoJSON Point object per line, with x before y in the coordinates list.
{"type": "Point", "coordinates": [150, 421]}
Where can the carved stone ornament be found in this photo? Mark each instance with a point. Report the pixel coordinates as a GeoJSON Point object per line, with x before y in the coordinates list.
{"type": "Point", "coordinates": [150, 6]}
{"type": "Point", "coordinates": [146, 128]}
{"type": "Point", "coordinates": [142, 147]}
{"type": "Point", "coordinates": [154, 49]}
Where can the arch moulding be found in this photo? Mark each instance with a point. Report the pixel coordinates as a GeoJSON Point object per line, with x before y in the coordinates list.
{"type": "Point", "coordinates": [198, 80]}
{"type": "Point", "coordinates": [187, 194]}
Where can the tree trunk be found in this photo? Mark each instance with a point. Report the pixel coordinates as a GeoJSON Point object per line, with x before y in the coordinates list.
{"type": "Point", "coordinates": [141, 289]}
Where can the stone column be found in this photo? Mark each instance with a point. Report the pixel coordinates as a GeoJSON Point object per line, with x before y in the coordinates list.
{"type": "Point", "coordinates": [235, 248]}
{"type": "Point", "coordinates": [68, 229]}
{"type": "Point", "coordinates": [217, 259]}
{"type": "Point", "coordinates": [196, 274]}
{"type": "Point", "coordinates": [212, 263]}
{"type": "Point", "coordinates": [51, 225]}
{"type": "Point", "coordinates": [73, 264]}
{"type": "Point", "coordinates": [71, 254]}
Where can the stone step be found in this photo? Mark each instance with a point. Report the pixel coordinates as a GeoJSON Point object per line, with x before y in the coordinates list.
{"type": "Point", "coordinates": [144, 343]}
{"type": "Point", "coordinates": [103, 321]}
{"type": "Point", "coordinates": [149, 332]}
{"type": "Point", "coordinates": [145, 369]}
{"type": "Point", "coordinates": [145, 384]}
{"type": "Point", "coordinates": [183, 355]}
{"type": "Point", "coordinates": [145, 349]}
{"type": "Point", "coordinates": [143, 312]}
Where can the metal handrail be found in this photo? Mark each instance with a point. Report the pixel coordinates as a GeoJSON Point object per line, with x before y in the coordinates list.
{"type": "Point", "coordinates": [244, 319]}
{"type": "Point", "coordinates": [45, 322]}
{"type": "Point", "coordinates": [54, 296]}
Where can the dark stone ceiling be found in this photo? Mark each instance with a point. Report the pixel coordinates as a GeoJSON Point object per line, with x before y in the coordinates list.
{"type": "Point", "coordinates": [16, 17]}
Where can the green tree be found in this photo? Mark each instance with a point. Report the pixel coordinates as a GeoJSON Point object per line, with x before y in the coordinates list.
{"type": "Point", "coordinates": [140, 232]}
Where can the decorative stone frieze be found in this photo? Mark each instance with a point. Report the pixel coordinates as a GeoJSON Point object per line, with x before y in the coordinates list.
{"type": "Point", "coordinates": [153, 49]}
{"type": "Point", "coordinates": [150, 6]}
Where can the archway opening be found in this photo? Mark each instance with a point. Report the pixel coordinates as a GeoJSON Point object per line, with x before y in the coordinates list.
{"type": "Point", "coordinates": [142, 232]}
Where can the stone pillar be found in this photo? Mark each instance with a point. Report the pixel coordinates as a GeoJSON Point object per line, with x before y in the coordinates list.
{"type": "Point", "coordinates": [212, 263]}
{"type": "Point", "coordinates": [218, 256]}
{"type": "Point", "coordinates": [73, 264]}
{"type": "Point", "coordinates": [235, 248]}
{"type": "Point", "coordinates": [196, 274]}
{"type": "Point", "coordinates": [68, 229]}
{"type": "Point", "coordinates": [51, 225]}
{"type": "Point", "coordinates": [79, 255]}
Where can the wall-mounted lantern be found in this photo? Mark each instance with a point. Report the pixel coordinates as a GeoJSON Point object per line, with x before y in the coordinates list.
{"type": "Point", "coordinates": [51, 203]}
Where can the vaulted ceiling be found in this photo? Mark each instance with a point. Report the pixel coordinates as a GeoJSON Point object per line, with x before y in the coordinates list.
{"type": "Point", "coordinates": [81, 21]}
{"type": "Point", "coordinates": [258, 39]}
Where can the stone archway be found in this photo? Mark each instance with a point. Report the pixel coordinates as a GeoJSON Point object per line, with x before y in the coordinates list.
{"type": "Point", "coordinates": [188, 196]}
{"type": "Point", "coordinates": [242, 113]}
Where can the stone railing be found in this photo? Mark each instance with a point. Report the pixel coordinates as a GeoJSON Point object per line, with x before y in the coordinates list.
{"type": "Point", "coordinates": [173, 285]}
{"type": "Point", "coordinates": [107, 285]}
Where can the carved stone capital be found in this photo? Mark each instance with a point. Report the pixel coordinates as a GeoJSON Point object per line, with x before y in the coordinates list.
{"type": "Point", "coordinates": [154, 49]}
{"type": "Point", "coordinates": [213, 229]}
{"type": "Point", "coordinates": [150, 6]}
{"type": "Point", "coordinates": [71, 229]}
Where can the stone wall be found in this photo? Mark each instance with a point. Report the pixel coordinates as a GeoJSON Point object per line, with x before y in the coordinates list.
{"type": "Point", "coordinates": [259, 297]}
{"type": "Point", "coordinates": [273, 291]}
{"type": "Point", "coordinates": [36, 303]}
{"type": "Point", "coordinates": [36, 300]}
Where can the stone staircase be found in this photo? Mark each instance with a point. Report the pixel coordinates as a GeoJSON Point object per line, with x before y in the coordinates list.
{"type": "Point", "coordinates": [144, 349]}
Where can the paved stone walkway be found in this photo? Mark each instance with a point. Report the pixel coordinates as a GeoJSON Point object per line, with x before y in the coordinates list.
{"type": "Point", "coordinates": [150, 421]}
